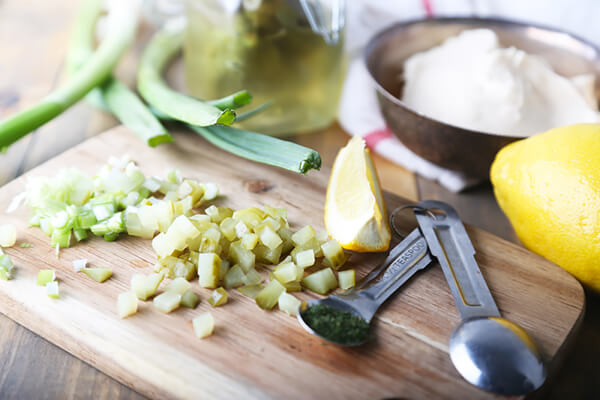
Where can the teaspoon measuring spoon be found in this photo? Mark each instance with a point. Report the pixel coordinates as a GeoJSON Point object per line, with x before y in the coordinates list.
{"type": "Point", "coordinates": [403, 261]}
{"type": "Point", "coordinates": [487, 350]}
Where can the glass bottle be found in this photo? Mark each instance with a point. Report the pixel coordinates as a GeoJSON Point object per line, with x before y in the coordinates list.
{"type": "Point", "coordinates": [268, 48]}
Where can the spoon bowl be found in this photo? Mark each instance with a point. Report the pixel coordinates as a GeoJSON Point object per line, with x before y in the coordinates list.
{"type": "Point", "coordinates": [497, 355]}
{"type": "Point", "coordinates": [337, 304]}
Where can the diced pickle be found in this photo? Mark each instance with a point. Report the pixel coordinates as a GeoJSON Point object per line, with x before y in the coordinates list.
{"type": "Point", "coordinates": [184, 269]}
{"type": "Point", "coordinates": [161, 245]}
{"type": "Point", "coordinates": [209, 266]}
{"type": "Point", "coordinates": [305, 258]}
{"type": "Point", "coordinates": [218, 297]}
{"type": "Point", "coordinates": [252, 216]}
{"type": "Point", "coordinates": [304, 235]}
{"type": "Point", "coordinates": [145, 286]}
{"type": "Point", "coordinates": [251, 290]}
{"type": "Point", "coordinates": [223, 269]}
{"type": "Point", "coordinates": [227, 227]}
{"type": "Point", "coordinates": [321, 281]}
{"type": "Point", "coordinates": [268, 237]}
{"type": "Point", "coordinates": [266, 255]}
{"type": "Point", "coordinates": [218, 214]}
{"type": "Point", "coordinates": [178, 285]}
{"type": "Point", "coordinates": [189, 299]}
{"type": "Point", "coordinates": [249, 241]}
{"type": "Point", "coordinates": [211, 191]}
{"type": "Point", "coordinates": [334, 254]}
{"type": "Point", "coordinates": [252, 277]}
{"type": "Point", "coordinates": [293, 286]}
{"type": "Point", "coordinates": [286, 235]}
{"type": "Point", "coordinates": [347, 279]}
{"type": "Point", "coordinates": [241, 229]}
{"type": "Point", "coordinates": [273, 223]}
{"type": "Point", "coordinates": [276, 212]}
{"type": "Point", "coordinates": [289, 304]}
{"type": "Point", "coordinates": [127, 304]}
{"type": "Point", "coordinates": [286, 272]}
{"type": "Point", "coordinates": [234, 277]}
{"type": "Point", "coordinates": [203, 325]}
{"type": "Point", "coordinates": [268, 297]}
{"type": "Point", "coordinates": [167, 301]}
{"type": "Point", "coordinates": [239, 255]}
{"type": "Point", "coordinates": [97, 274]}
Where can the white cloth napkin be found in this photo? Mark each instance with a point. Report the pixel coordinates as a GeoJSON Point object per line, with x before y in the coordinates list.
{"type": "Point", "coordinates": [359, 111]}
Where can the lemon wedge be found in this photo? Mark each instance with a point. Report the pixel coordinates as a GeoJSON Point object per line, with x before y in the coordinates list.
{"type": "Point", "coordinates": [355, 213]}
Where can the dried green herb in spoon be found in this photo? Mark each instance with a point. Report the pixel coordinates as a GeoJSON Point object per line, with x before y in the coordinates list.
{"type": "Point", "coordinates": [338, 326]}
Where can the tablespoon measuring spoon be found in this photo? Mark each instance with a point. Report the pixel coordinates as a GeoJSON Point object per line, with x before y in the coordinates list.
{"type": "Point", "coordinates": [489, 351]}
{"type": "Point", "coordinates": [403, 261]}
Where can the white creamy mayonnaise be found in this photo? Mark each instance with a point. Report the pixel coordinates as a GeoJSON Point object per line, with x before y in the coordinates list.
{"type": "Point", "coordinates": [471, 82]}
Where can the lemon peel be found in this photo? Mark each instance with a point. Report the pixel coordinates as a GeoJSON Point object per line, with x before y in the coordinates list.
{"type": "Point", "coordinates": [355, 213]}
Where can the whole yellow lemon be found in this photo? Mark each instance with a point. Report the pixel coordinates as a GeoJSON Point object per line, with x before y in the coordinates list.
{"type": "Point", "coordinates": [548, 186]}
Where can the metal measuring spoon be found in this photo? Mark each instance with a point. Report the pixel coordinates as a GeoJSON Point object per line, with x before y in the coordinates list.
{"type": "Point", "coordinates": [487, 350]}
{"type": "Point", "coordinates": [403, 261]}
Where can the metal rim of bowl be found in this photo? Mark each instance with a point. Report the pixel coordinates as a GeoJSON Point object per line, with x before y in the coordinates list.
{"type": "Point", "coordinates": [375, 40]}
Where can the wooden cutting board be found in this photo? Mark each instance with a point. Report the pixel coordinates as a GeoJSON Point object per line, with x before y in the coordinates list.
{"type": "Point", "coordinates": [254, 353]}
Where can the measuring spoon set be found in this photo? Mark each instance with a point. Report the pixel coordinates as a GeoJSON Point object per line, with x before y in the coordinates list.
{"type": "Point", "coordinates": [489, 351]}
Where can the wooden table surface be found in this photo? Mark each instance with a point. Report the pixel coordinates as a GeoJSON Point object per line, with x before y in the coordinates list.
{"type": "Point", "coordinates": [33, 37]}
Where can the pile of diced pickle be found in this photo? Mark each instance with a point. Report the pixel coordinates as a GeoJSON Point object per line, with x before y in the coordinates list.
{"type": "Point", "coordinates": [225, 249]}
{"type": "Point", "coordinates": [221, 247]}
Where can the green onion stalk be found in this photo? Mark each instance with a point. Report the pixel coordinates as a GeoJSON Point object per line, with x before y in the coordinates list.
{"type": "Point", "coordinates": [163, 47]}
{"type": "Point", "coordinates": [121, 28]}
{"type": "Point", "coordinates": [209, 119]}
{"type": "Point", "coordinates": [112, 96]}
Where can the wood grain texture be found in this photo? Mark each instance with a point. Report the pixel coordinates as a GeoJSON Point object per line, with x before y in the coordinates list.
{"type": "Point", "coordinates": [259, 354]}
{"type": "Point", "coordinates": [28, 378]}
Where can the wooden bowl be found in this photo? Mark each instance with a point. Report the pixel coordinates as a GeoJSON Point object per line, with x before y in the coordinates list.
{"type": "Point", "coordinates": [444, 144]}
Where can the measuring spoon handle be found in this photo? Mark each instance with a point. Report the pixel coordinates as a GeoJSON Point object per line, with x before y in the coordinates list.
{"type": "Point", "coordinates": [404, 260]}
{"type": "Point", "coordinates": [449, 243]}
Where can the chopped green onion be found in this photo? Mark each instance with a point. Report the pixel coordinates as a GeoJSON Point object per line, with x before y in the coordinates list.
{"type": "Point", "coordinates": [52, 289]}
{"type": "Point", "coordinates": [6, 266]}
{"type": "Point", "coordinates": [164, 45]}
{"type": "Point", "coordinates": [8, 235]}
{"type": "Point", "coordinates": [121, 28]}
{"type": "Point", "coordinates": [78, 265]}
{"type": "Point", "coordinates": [45, 275]}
